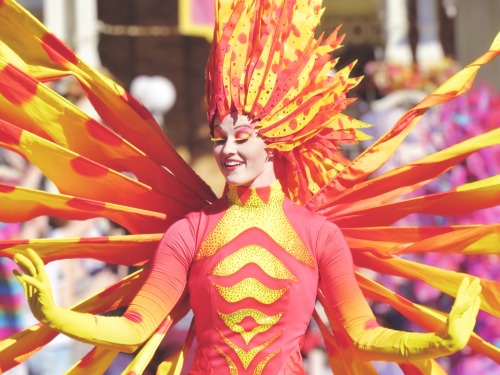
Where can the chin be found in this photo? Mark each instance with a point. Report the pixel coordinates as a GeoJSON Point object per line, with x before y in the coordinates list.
{"type": "Point", "coordinates": [238, 182]}
{"type": "Point", "coordinates": [236, 179]}
{"type": "Point", "coordinates": [245, 180]}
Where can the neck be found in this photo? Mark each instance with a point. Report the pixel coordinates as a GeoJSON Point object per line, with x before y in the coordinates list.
{"type": "Point", "coordinates": [267, 177]}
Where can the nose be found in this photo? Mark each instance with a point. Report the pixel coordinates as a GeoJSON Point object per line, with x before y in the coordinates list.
{"type": "Point", "coordinates": [229, 147]}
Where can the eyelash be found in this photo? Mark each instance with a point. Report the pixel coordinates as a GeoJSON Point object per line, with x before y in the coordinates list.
{"type": "Point", "coordinates": [239, 140]}
{"type": "Point", "coordinates": [216, 140]}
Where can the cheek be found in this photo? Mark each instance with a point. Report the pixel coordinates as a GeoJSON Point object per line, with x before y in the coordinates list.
{"type": "Point", "coordinates": [258, 157]}
{"type": "Point", "coordinates": [216, 149]}
{"type": "Point", "coordinates": [216, 152]}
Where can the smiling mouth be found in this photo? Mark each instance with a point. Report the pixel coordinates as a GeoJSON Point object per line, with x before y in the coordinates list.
{"type": "Point", "coordinates": [232, 164]}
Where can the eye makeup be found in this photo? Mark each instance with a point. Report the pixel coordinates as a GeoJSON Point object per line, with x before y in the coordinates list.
{"type": "Point", "coordinates": [243, 133]}
{"type": "Point", "coordinates": [218, 135]}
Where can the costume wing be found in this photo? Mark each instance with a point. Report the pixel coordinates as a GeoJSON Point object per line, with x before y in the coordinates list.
{"type": "Point", "coordinates": [366, 207]}
{"type": "Point", "coordinates": [122, 168]}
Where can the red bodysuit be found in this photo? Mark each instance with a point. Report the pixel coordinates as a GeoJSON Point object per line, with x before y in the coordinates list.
{"type": "Point", "coordinates": [253, 260]}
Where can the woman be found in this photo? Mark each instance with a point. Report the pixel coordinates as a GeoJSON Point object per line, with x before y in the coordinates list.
{"type": "Point", "coordinates": [254, 261]}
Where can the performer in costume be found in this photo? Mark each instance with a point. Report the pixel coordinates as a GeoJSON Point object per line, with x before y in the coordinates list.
{"type": "Point", "coordinates": [249, 263]}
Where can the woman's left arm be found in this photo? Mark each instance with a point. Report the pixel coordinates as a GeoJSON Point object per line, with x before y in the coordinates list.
{"type": "Point", "coordinates": [348, 304]}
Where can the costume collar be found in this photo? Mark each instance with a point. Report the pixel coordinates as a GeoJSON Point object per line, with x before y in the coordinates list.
{"type": "Point", "coordinates": [250, 196]}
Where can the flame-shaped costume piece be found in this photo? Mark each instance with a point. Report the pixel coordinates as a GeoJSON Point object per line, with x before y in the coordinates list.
{"type": "Point", "coordinates": [265, 62]}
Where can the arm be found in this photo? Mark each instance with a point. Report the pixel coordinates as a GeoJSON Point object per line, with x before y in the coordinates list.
{"type": "Point", "coordinates": [156, 298]}
{"type": "Point", "coordinates": [338, 283]}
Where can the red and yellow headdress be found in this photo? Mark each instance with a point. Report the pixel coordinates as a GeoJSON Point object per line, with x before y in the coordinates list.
{"type": "Point", "coordinates": [266, 63]}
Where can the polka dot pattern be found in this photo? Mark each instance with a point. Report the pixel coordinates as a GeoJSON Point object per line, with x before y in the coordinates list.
{"type": "Point", "coordinates": [255, 213]}
{"type": "Point", "coordinates": [15, 86]}
{"type": "Point", "coordinates": [250, 288]}
{"type": "Point", "coordinates": [11, 135]}
{"type": "Point", "coordinates": [102, 134]}
{"type": "Point", "coordinates": [88, 168]}
{"type": "Point", "coordinates": [260, 367]}
{"type": "Point", "coordinates": [253, 254]}
{"type": "Point", "coordinates": [57, 51]}
{"type": "Point", "coordinates": [247, 356]}
{"type": "Point", "coordinates": [263, 322]}
{"type": "Point", "coordinates": [233, 370]}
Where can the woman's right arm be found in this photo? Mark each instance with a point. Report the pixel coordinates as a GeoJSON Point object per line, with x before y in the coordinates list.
{"type": "Point", "coordinates": [162, 289]}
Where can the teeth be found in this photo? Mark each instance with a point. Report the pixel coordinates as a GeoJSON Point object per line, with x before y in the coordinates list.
{"type": "Point", "coordinates": [232, 163]}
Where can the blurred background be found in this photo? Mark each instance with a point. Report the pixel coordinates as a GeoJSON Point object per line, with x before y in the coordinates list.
{"type": "Point", "coordinates": [157, 50]}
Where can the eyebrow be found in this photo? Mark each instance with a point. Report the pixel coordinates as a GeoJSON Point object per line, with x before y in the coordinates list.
{"type": "Point", "coordinates": [237, 127]}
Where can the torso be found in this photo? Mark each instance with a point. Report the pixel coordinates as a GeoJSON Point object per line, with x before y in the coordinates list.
{"type": "Point", "coordinates": [253, 283]}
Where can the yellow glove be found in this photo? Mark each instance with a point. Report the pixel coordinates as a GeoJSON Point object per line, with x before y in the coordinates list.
{"type": "Point", "coordinates": [385, 344]}
{"type": "Point", "coordinates": [462, 318]}
{"type": "Point", "coordinates": [154, 301]}
{"type": "Point", "coordinates": [118, 332]}
{"type": "Point", "coordinates": [36, 285]}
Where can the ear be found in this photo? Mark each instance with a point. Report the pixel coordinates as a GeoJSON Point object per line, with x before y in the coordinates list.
{"type": "Point", "coordinates": [270, 154]}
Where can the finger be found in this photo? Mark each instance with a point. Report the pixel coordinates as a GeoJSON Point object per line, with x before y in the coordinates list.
{"type": "Point", "coordinates": [33, 282]}
{"type": "Point", "coordinates": [472, 293]}
{"type": "Point", "coordinates": [475, 281]}
{"type": "Point", "coordinates": [25, 264]}
{"type": "Point", "coordinates": [477, 307]}
{"type": "Point", "coordinates": [469, 289]}
{"type": "Point", "coordinates": [475, 286]}
{"type": "Point", "coordinates": [28, 289]}
{"type": "Point", "coordinates": [464, 285]}
{"type": "Point", "coordinates": [19, 278]}
{"type": "Point", "coordinates": [465, 298]}
{"type": "Point", "coordinates": [37, 262]}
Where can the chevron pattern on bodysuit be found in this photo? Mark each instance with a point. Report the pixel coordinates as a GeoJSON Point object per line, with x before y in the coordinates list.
{"type": "Point", "coordinates": [252, 210]}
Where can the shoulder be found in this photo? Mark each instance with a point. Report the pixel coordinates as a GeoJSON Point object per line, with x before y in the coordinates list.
{"type": "Point", "coordinates": [216, 207]}
{"type": "Point", "coordinates": [314, 228]}
{"type": "Point", "coordinates": [306, 216]}
{"type": "Point", "coordinates": [197, 221]}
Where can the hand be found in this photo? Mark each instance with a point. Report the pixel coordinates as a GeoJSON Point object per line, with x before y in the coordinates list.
{"type": "Point", "coordinates": [462, 317]}
{"type": "Point", "coordinates": [36, 284]}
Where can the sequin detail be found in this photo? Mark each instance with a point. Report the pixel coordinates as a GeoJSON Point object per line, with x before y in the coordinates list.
{"type": "Point", "coordinates": [258, 213]}
{"type": "Point", "coordinates": [252, 288]}
{"type": "Point", "coordinates": [260, 368]}
{"type": "Point", "coordinates": [246, 357]}
{"type": "Point", "coordinates": [253, 254]}
{"type": "Point", "coordinates": [263, 322]}
{"type": "Point", "coordinates": [232, 367]}
{"type": "Point", "coordinates": [255, 213]}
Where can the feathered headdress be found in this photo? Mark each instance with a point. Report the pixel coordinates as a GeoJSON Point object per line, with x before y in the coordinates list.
{"type": "Point", "coordinates": [266, 63]}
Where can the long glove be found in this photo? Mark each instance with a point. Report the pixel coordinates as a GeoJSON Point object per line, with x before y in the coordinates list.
{"type": "Point", "coordinates": [382, 343]}
{"type": "Point", "coordinates": [125, 333]}
{"type": "Point", "coordinates": [352, 313]}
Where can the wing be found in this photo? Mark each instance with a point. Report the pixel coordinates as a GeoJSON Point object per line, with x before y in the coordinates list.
{"type": "Point", "coordinates": [121, 167]}
{"type": "Point", "coordinates": [366, 207]}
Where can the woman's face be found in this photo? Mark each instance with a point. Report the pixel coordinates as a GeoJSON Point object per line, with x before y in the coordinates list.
{"type": "Point", "coordinates": [240, 154]}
